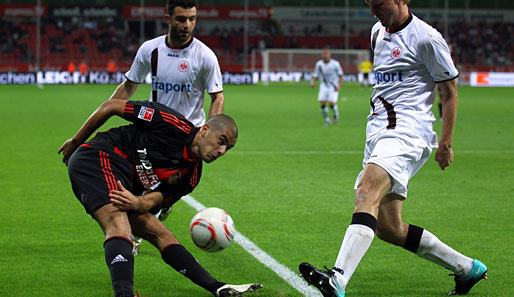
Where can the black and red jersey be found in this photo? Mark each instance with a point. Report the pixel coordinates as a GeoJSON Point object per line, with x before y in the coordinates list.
{"type": "Point", "coordinates": [155, 145]}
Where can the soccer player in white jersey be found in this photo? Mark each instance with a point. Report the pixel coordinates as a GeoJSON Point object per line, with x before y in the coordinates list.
{"type": "Point", "coordinates": [182, 68]}
{"type": "Point", "coordinates": [330, 74]}
{"type": "Point", "coordinates": [410, 58]}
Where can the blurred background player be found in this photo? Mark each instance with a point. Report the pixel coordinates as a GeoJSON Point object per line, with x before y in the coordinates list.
{"type": "Point", "coordinates": [182, 69]}
{"type": "Point", "coordinates": [330, 74]}
{"type": "Point", "coordinates": [411, 58]}
{"type": "Point", "coordinates": [365, 68]}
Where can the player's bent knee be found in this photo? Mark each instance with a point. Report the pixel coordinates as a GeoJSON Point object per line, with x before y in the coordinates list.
{"type": "Point", "coordinates": [365, 196]}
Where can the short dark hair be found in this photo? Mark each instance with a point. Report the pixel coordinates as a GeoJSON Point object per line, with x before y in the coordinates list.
{"type": "Point", "coordinates": [222, 121]}
{"type": "Point", "coordinates": [171, 4]}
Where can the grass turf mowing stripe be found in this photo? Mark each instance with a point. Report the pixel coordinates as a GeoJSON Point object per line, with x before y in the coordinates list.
{"type": "Point", "coordinates": [281, 270]}
{"type": "Point", "coordinates": [354, 152]}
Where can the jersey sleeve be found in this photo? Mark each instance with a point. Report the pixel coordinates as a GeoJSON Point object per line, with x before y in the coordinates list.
{"type": "Point", "coordinates": [435, 55]}
{"type": "Point", "coordinates": [212, 73]}
{"type": "Point", "coordinates": [162, 120]}
{"type": "Point", "coordinates": [139, 112]}
{"type": "Point", "coordinates": [141, 65]}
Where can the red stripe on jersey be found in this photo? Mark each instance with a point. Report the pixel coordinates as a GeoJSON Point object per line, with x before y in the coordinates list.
{"type": "Point", "coordinates": [129, 108]}
{"type": "Point", "coordinates": [106, 168]}
{"type": "Point", "coordinates": [176, 121]}
{"type": "Point", "coordinates": [171, 122]}
{"type": "Point", "coordinates": [194, 177]}
{"type": "Point", "coordinates": [119, 152]}
{"type": "Point", "coordinates": [85, 145]}
{"type": "Point", "coordinates": [186, 156]}
{"type": "Point", "coordinates": [173, 118]}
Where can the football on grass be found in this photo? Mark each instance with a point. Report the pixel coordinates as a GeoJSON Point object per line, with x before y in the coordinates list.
{"type": "Point", "coordinates": [212, 229]}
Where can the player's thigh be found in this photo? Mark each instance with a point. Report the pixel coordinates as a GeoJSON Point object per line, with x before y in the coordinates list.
{"type": "Point", "coordinates": [333, 97]}
{"type": "Point", "coordinates": [373, 184]}
{"type": "Point", "coordinates": [324, 93]}
{"type": "Point", "coordinates": [93, 175]}
{"type": "Point", "coordinates": [400, 156]}
{"type": "Point", "coordinates": [151, 229]}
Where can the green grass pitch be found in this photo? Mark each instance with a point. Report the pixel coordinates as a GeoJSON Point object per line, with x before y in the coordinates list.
{"type": "Point", "coordinates": [288, 185]}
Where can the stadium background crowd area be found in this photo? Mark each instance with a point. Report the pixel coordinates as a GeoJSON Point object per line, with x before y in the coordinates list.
{"type": "Point", "coordinates": [98, 40]}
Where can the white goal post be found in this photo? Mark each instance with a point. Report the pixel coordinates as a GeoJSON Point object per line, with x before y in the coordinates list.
{"type": "Point", "coordinates": [303, 60]}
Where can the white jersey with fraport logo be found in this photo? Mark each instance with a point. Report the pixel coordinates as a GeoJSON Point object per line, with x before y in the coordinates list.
{"type": "Point", "coordinates": [408, 63]}
{"type": "Point", "coordinates": [328, 73]}
{"type": "Point", "coordinates": [179, 77]}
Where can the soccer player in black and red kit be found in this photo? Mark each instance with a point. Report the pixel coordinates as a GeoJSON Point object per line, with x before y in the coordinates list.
{"type": "Point", "coordinates": [160, 153]}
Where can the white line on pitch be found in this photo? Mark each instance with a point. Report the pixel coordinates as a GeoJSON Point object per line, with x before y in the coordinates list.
{"type": "Point", "coordinates": [281, 270]}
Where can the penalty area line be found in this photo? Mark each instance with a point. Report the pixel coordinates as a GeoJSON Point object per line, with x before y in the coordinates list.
{"type": "Point", "coordinates": [281, 270]}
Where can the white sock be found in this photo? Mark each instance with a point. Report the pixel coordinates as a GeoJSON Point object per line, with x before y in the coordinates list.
{"type": "Point", "coordinates": [356, 242]}
{"type": "Point", "coordinates": [434, 250]}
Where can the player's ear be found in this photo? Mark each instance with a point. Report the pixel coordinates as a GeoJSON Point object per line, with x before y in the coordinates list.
{"type": "Point", "coordinates": [205, 129]}
{"type": "Point", "coordinates": [167, 18]}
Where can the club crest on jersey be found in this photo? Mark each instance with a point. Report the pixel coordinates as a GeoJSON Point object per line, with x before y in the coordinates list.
{"type": "Point", "coordinates": [396, 53]}
{"type": "Point", "coordinates": [183, 66]}
{"type": "Point", "coordinates": [175, 178]}
{"type": "Point", "coordinates": [145, 113]}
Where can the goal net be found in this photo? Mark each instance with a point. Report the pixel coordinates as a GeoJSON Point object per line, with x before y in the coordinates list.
{"type": "Point", "coordinates": [303, 60]}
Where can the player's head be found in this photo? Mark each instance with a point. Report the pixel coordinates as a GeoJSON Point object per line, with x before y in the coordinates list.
{"type": "Point", "coordinates": [181, 18]}
{"type": "Point", "coordinates": [391, 13]}
{"type": "Point", "coordinates": [215, 138]}
{"type": "Point", "coordinates": [326, 54]}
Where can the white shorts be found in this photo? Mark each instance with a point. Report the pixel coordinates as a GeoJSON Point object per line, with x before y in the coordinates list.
{"type": "Point", "coordinates": [327, 93]}
{"type": "Point", "coordinates": [398, 154]}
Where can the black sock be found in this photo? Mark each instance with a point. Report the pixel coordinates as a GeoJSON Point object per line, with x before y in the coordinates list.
{"type": "Point", "coordinates": [366, 219]}
{"type": "Point", "coordinates": [413, 238]}
{"type": "Point", "coordinates": [120, 261]}
{"type": "Point", "coordinates": [182, 261]}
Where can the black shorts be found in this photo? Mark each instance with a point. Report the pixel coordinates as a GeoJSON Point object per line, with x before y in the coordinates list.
{"type": "Point", "coordinates": [93, 174]}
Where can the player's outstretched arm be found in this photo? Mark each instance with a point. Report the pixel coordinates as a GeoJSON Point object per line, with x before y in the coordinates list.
{"type": "Point", "coordinates": [125, 90]}
{"type": "Point", "coordinates": [217, 104]}
{"type": "Point", "coordinates": [449, 99]}
{"type": "Point", "coordinates": [124, 200]}
{"type": "Point", "coordinates": [96, 120]}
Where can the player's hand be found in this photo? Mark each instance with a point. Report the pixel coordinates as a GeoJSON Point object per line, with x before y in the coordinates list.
{"type": "Point", "coordinates": [67, 149]}
{"type": "Point", "coordinates": [444, 155]}
{"type": "Point", "coordinates": [124, 200]}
